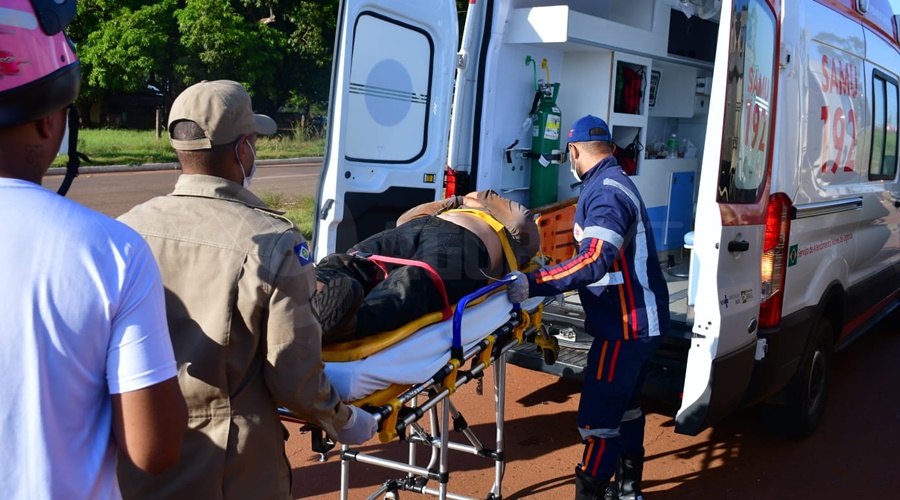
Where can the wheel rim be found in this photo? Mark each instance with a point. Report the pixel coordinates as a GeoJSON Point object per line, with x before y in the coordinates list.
{"type": "Point", "coordinates": [816, 387]}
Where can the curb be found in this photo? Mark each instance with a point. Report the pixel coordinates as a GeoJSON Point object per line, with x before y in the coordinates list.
{"type": "Point", "coordinates": [306, 160]}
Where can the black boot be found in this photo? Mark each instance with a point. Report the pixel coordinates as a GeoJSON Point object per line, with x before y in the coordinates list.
{"type": "Point", "coordinates": [336, 304]}
{"type": "Point", "coordinates": [628, 478]}
{"type": "Point", "coordinates": [612, 492]}
{"type": "Point", "coordinates": [587, 487]}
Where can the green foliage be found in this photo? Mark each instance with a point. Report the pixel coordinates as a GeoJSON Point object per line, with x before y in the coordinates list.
{"type": "Point", "coordinates": [280, 49]}
{"type": "Point", "coordinates": [273, 199]}
{"type": "Point", "coordinates": [299, 210]}
{"type": "Point", "coordinates": [123, 46]}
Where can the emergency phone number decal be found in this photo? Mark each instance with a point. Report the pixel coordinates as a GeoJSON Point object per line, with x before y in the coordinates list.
{"type": "Point", "coordinates": [794, 252]}
{"type": "Point", "coordinates": [839, 89]}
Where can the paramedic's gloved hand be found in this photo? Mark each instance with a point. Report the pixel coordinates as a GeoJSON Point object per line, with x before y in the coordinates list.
{"type": "Point", "coordinates": [360, 427]}
{"type": "Point", "coordinates": [517, 287]}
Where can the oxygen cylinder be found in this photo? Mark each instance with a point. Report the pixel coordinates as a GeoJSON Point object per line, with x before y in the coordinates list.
{"type": "Point", "coordinates": [545, 147]}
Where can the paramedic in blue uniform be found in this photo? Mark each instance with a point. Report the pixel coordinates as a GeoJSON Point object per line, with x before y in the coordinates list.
{"type": "Point", "coordinates": [624, 295]}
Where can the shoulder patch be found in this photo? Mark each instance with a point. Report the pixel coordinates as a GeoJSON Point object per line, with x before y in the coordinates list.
{"type": "Point", "coordinates": [578, 232]}
{"type": "Point", "coordinates": [303, 255]}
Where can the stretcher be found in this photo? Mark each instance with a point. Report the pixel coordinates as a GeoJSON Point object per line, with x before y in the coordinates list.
{"type": "Point", "coordinates": [407, 374]}
{"type": "Point", "coordinates": [451, 353]}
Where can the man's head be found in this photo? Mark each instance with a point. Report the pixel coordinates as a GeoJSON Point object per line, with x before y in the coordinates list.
{"type": "Point", "coordinates": [589, 142]}
{"type": "Point", "coordinates": [39, 78]}
{"type": "Point", "coordinates": [213, 129]}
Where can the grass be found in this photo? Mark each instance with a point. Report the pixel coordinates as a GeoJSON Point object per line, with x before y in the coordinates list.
{"type": "Point", "coordinates": [299, 210]}
{"type": "Point", "coordinates": [137, 147]}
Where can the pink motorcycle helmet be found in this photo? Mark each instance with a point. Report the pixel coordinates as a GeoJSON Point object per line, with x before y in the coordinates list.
{"type": "Point", "coordinates": [39, 71]}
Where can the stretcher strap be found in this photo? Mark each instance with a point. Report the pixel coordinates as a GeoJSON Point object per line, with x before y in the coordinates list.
{"type": "Point", "coordinates": [497, 226]}
{"type": "Point", "coordinates": [380, 260]}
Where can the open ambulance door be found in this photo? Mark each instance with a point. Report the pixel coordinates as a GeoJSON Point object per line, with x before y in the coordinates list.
{"type": "Point", "coordinates": [391, 90]}
{"type": "Point", "coordinates": [729, 229]}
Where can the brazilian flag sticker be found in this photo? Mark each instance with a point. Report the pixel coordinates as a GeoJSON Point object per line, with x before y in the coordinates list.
{"type": "Point", "coordinates": [303, 255]}
{"type": "Point", "coordinates": [792, 255]}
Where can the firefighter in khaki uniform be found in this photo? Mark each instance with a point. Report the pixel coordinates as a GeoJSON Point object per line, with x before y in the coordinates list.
{"type": "Point", "coordinates": [239, 285]}
{"type": "Point", "coordinates": [626, 304]}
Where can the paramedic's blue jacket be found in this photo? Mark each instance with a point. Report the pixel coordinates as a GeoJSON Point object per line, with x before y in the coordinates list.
{"type": "Point", "coordinates": [616, 269]}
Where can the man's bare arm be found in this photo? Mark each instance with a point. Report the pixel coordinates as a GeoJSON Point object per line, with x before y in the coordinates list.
{"type": "Point", "coordinates": [149, 425]}
{"type": "Point", "coordinates": [430, 208]}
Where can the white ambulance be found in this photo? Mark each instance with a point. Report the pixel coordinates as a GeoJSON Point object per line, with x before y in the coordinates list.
{"type": "Point", "coordinates": [766, 141]}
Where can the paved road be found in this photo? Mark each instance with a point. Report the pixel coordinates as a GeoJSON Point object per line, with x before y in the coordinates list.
{"type": "Point", "coordinates": [114, 193]}
{"type": "Point", "coordinates": [853, 454]}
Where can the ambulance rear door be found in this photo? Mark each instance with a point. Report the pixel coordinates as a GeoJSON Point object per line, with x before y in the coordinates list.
{"type": "Point", "coordinates": [729, 228]}
{"type": "Point", "coordinates": [389, 116]}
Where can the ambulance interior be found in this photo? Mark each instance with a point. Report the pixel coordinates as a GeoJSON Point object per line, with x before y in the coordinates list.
{"type": "Point", "coordinates": [594, 50]}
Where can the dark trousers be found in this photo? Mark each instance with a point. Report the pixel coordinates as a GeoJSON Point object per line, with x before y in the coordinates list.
{"type": "Point", "coordinates": [609, 412]}
{"type": "Point", "coordinates": [408, 292]}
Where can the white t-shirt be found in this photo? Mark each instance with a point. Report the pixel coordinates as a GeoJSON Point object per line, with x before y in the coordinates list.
{"type": "Point", "coordinates": [83, 317]}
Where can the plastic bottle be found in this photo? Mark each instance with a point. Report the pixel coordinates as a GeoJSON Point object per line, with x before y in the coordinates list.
{"type": "Point", "coordinates": [672, 147]}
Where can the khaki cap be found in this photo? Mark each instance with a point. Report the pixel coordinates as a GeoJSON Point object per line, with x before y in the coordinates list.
{"type": "Point", "coordinates": [222, 109]}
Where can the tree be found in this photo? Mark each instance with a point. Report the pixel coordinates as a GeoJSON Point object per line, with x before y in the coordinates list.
{"type": "Point", "coordinates": [281, 50]}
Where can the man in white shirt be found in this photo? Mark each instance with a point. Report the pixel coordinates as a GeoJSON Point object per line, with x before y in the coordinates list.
{"type": "Point", "coordinates": [87, 364]}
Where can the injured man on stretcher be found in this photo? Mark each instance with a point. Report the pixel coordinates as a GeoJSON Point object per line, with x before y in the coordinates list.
{"type": "Point", "coordinates": [454, 244]}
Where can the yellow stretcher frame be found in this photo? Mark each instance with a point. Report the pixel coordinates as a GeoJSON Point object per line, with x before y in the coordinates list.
{"type": "Point", "coordinates": [399, 408]}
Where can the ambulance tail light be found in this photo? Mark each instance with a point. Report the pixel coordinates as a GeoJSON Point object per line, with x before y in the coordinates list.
{"type": "Point", "coordinates": [774, 259]}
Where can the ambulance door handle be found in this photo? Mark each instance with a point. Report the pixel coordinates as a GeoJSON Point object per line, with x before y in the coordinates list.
{"type": "Point", "coordinates": [738, 246]}
{"type": "Point", "coordinates": [326, 207]}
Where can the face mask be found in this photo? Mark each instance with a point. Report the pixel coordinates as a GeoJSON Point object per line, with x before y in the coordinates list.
{"type": "Point", "coordinates": [573, 167]}
{"type": "Point", "coordinates": [247, 178]}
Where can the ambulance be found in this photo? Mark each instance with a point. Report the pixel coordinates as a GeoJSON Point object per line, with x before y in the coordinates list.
{"type": "Point", "coordinates": [762, 135]}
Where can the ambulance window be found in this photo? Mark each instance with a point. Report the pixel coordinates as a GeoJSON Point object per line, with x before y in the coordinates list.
{"type": "Point", "coordinates": [390, 79]}
{"type": "Point", "coordinates": [746, 135]}
{"type": "Point", "coordinates": [883, 164]}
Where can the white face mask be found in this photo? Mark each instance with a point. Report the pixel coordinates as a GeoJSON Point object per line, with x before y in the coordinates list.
{"type": "Point", "coordinates": [247, 178]}
{"type": "Point", "coordinates": [573, 167]}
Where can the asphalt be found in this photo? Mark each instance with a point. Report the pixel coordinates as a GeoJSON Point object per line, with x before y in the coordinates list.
{"type": "Point", "coordinates": [87, 169]}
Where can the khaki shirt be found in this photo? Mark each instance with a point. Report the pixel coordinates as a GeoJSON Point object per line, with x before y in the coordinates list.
{"type": "Point", "coordinates": [238, 279]}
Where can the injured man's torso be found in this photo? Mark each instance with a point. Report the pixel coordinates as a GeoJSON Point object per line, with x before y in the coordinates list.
{"type": "Point", "coordinates": [485, 233]}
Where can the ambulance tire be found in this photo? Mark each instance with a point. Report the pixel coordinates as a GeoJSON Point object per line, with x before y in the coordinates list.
{"type": "Point", "coordinates": [807, 391]}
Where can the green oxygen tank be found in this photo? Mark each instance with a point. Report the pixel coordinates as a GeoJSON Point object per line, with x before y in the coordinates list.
{"type": "Point", "coordinates": [545, 148]}
{"type": "Point", "coordinates": [545, 153]}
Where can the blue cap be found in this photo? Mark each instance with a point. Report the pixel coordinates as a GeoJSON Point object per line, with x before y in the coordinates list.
{"type": "Point", "coordinates": [589, 128]}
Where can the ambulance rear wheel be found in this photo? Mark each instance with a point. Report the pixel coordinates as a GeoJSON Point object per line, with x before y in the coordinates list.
{"type": "Point", "coordinates": [804, 404]}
